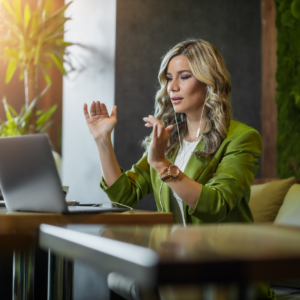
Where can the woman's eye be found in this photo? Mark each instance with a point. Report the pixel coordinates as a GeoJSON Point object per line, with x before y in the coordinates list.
{"type": "Point", "coordinates": [169, 79]}
{"type": "Point", "coordinates": [185, 77]}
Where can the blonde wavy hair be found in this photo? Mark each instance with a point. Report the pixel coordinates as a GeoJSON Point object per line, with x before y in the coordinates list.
{"type": "Point", "coordinates": [208, 66]}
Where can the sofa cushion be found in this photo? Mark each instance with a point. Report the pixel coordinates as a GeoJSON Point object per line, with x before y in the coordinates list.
{"type": "Point", "coordinates": [266, 199]}
{"type": "Point", "coordinates": [289, 212]}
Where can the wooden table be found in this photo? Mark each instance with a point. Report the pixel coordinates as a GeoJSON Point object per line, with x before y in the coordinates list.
{"type": "Point", "coordinates": [24, 220]}
{"type": "Point", "coordinates": [177, 255]}
{"type": "Point", "coordinates": [20, 232]}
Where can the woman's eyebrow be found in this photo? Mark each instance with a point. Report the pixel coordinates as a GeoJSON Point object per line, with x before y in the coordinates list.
{"type": "Point", "coordinates": [179, 72]}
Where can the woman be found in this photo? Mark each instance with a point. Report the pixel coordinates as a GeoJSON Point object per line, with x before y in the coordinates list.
{"type": "Point", "coordinates": [215, 184]}
{"type": "Point", "coordinates": [192, 113]}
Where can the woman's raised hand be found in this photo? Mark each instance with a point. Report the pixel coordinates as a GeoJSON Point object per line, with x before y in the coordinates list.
{"type": "Point", "coordinates": [158, 145]}
{"type": "Point", "coordinates": [99, 121]}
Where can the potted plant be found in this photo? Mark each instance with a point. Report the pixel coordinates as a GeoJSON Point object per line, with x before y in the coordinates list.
{"type": "Point", "coordinates": [31, 41]}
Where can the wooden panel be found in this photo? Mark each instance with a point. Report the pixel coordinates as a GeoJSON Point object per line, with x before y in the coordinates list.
{"type": "Point", "coordinates": [22, 220]}
{"type": "Point", "coordinates": [13, 240]}
{"type": "Point", "coordinates": [53, 96]}
{"type": "Point", "coordinates": [269, 108]}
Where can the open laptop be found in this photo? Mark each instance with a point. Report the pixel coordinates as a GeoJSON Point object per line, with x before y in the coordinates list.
{"type": "Point", "coordinates": [29, 179]}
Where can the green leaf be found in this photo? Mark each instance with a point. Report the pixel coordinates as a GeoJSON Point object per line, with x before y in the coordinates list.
{"type": "Point", "coordinates": [12, 110]}
{"type": "Point", "coordinates": [46, 63]}
{"type": "Point", "coordinates": [38, 48]}
{"type": "Point", "coordinates": [40, 5]}
{"type": "Point", "coordinates": [17, 8]}
{"type": "Point", "coordinates": [28, 28]}
{"type": "Point", "coordinates": [33, 104]}
{"type": "Point", "coordinates": [12, 53]}
{"type": "Point", "coordinates": [39, 112]}
{"type": "Point", "coordinates": [59, 63]}
{"type": "Point", "coordinates": [8, 115]}
{"type": "Point", "coordinates": [46, 76]}
{"type": "Point", "coordinates": [21, 76]}
{"type": "Point", "coordinates": [296, 97]}
{"type": "Point", "coordinates": [47, 7]}
{"type": "Point", "coordinates": [52, 38]}
{"type": "Point", "coordinates": [56, 15]}
{"type": "Point", "coordinates": [45, 128]}
{"type": "Point", "coordinates": [31, 55]}
{"type": "Point", "coordinates": [27, 15]}
{"type": "Point", "coordinates": [12, 66]}
{"type": "Point", "coordinates": [45, 117]}
{"type": "Point", "coordinates": [22, 111]}
{"type": "Point", "coordinates": [8, 7]}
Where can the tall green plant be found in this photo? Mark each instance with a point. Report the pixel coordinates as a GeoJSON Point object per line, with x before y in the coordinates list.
{"type": "Point", "coordinates": [288, 87]}
{"type": "Point", "coordinates": [32, 41]}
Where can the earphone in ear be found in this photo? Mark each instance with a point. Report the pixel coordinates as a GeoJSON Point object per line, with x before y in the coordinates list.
{"type": "Point", "coordinates": [199, 130]}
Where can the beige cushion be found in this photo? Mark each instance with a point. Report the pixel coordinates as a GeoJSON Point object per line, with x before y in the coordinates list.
{"type": "Point", "coordinates": [289, 212]}
{"type": "Point", "coordinates": [266, 199]}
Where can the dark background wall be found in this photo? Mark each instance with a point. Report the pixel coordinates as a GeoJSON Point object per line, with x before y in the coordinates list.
{"type": "Point", "coordinates": [146, 30]}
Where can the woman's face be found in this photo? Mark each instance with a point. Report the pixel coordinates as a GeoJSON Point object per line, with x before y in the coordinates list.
{"type": "Point", "coordinates": [186, 92]}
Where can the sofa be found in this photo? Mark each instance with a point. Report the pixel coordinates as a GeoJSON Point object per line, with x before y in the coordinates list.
{"type": "Point", "coordinates": [278, 202]}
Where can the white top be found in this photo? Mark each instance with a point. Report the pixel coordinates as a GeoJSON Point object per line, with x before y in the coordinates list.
{"type": "Point", "coordinates": [182, 158]}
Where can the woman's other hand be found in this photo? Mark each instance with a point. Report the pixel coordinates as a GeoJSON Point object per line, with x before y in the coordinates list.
{"type": "Point", "coordinates": [158, 145]}
{"type": "Point", "coordinates": [99, 122]}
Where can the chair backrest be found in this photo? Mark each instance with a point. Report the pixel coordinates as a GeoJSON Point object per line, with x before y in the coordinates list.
{"type": "Point", "coordinates": [267, 198]}
{"type": "Point", "coordinates": [289, 212]}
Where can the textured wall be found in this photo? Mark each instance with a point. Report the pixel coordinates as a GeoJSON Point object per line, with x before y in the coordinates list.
{"type": "Point", "coordinates": [93, 26]}
{"type": "Point", "coordinates": [147, 29]}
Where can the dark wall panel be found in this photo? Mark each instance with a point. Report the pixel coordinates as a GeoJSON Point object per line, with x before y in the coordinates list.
{"type": "Point", "coordinates": [146, 29]}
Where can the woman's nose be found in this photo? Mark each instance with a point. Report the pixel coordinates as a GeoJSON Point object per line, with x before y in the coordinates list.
{"type": "Point", "coordinates": [173, 86]}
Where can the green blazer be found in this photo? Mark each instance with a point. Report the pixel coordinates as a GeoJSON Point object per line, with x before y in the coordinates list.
{"type": "Point", "coordinates": [226, 178]}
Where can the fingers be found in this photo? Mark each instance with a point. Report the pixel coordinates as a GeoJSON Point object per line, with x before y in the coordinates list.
{"type": "Point", "coordinates": [160, 130]}
{"type": "Point", "coordinates": [169, 129]}
{"type": "Point", "coordinates": [98, 109]}
{"type": "Point", "coordinates": [154, 136]}
{"type": "Point", "coordinates": [151, 121]}
{"type": "Point", "coordinates": [85, 111]}
{"type": "Point", "coordinates": [103, 108]}
{"type": "Point", "coordinates": [114, 112]}
{"type": "Point", "coordinates": [149, 124]}
{"type": "Point", "coordinates": [93, 109]}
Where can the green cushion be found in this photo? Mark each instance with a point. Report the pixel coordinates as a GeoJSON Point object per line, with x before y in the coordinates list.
{"type": "Point", "coordinates": [266, 199]}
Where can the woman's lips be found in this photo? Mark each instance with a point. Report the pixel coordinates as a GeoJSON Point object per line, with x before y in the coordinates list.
{"type": "Point", "coordinates": [176, 100]}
